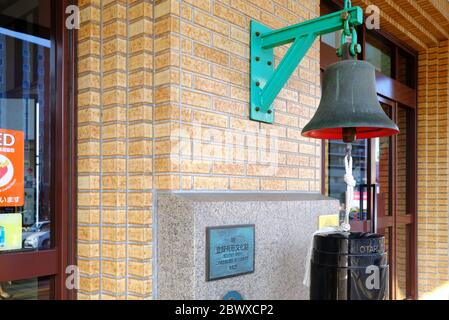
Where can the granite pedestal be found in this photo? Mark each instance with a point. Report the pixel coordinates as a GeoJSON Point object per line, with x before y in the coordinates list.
{"type": "Point", "coordinates": [284, 224]}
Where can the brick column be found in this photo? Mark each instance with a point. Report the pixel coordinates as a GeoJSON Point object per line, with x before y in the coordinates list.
{"type": "Point", "coordinates": [433, 208]}
{"type": "Point", "coordinates": [164, 105]}
{"type": "Point", "coordinates": [115, 113]}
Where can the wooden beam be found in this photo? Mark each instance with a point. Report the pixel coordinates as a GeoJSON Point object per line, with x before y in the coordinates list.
{"type": "Point", "coordinates": [394, 27]}
{"type": "Point", "coordinates": [394, 10]}
{"type": "Point", "coordinates": [424, 18]}
{"type": "Point", "coordinates": [439, 11]}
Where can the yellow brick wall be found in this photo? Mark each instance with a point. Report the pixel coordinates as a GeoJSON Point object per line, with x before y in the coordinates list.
{"type": "Point", "coordinates": [433, 180]}
{"type": "Point", "coordinates": [115, 180]}
{"type": "Point", "coordinates": [204, 139]}
{"type": "Point", "coordinates": [165, 85]}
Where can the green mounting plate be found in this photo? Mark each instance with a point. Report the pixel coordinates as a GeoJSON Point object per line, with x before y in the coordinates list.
{"type": "Point", "coordinates": [262, 69]}
{"type": "Point", "coordinates": [265, 81]}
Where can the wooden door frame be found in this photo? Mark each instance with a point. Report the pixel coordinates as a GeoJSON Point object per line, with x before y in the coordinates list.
{"type": "Point", "coordinates": [391, 226]}
{"type": "Point", "coordinates": [53, 262]}
{"type": "Point", "coordinates": [65, 161]}
{"type": "Point", "coordinates": [389, 89]}
{"type": "Point", "coordinates": [411, 191]}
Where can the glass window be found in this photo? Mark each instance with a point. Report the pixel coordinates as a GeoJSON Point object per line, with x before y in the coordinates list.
{"type": "Point", "coordinates": [25, 126]}
{"type": "Point", "coordinates": [403, 234]}
{"type": "Point", "coordinates": [335, 184]}
{"type": "Point", "coordinates": [30, 289]}
{"type": "Point", "coordinates": [402, 162]}
{"type": "Point", "coordinates": [406, 69]}
{"type": "Point", "coordinates": [379, 54]}
{"type": "Point", "coordinates": [32, 17]}
{"type": "Point", "coordinates": [383, 170]}
{"type": "Point", "coordinates": [332, 39]}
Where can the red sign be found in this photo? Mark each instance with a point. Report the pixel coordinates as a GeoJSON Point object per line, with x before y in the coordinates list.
{"type": "Point", "coordinates": [12, 188]}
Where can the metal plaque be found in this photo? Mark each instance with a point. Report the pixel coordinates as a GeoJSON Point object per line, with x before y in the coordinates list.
{"type": "Point", "coordinates": [230, 251]}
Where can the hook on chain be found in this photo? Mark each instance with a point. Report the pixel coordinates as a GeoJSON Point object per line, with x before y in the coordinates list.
{"type": "Point", "coordinates": [348, 4]}
{"type": "Point", "coordinates": [348, 31]}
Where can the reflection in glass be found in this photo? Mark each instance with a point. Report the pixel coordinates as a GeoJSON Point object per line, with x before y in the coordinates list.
{"type": "Point", "coordinates": [28, 17]}
{"type": "Point", "coordinates": [332, 39]}
{"type": "Point", "coordinates": [383, 168]}
{"type": "Point", "coordinates": [401, 180]}
{"type": "Point", "coordinates": [403, 233]}
{"type": "Point", "coordinates": [406, 69]}
{"type": "Point", "coordinates": [24, 108]}
{"type": "Point", "coordinates": [336, 186]}
{"type": "Point", "coordinates": [379, 55]}
{"type": "Point", "coordinates": [388, 234]}
{"type": "Point", "coordinates": [31, 289]}
{"type": "Point", "coordinates": [402, 261]}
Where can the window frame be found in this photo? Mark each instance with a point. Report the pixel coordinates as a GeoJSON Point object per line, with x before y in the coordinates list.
{"type": "Point", "coordinates": [52, 263]}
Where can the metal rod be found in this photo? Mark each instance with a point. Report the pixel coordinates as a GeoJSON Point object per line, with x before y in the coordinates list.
{"type": "Point", "coordinates": [319, 26]}
{"type": "Point", "coordinates": [285, 70]}
{"type": "Point", "coordinates": [266, 83]}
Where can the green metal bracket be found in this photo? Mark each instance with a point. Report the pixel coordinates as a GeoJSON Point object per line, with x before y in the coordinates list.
{"type": "Point", "coordinates": [266, 82]}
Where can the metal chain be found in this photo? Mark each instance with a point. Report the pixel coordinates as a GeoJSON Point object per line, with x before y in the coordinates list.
{"type": "Point", "coordinates": [348, 31]}
{"type": "Point", "coordinates": [348, 4]}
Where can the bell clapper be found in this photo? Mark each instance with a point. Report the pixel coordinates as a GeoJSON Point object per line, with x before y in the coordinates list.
{"type": "Point", "coordinates": [349, 135]}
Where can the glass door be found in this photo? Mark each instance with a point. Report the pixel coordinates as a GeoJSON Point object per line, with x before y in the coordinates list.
{"type": "Point", "coordinates": [336, 186]}
{"type": "Point", "coordinates": [25, 133]}
{"type": "Point", "coordinates": [384, 200]}
{"type": "Point", "coordinates": [396, 211]}
{"type": "Point", "coordinates": [29, 217]}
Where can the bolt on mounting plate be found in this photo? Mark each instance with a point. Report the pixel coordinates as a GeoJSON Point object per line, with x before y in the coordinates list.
{"type": "Point", "coordinates": [262, 69]}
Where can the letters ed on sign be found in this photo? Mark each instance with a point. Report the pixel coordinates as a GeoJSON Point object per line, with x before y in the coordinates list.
{"type": "Point", "coordinates": [12, 189]}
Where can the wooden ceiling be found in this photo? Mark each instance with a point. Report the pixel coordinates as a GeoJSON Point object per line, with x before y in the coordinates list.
{"type": "Point", "coordinates": [420, 24]}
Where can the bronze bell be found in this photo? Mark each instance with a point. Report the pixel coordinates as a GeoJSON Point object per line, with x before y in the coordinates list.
{"type": "Point", "coordinates": [349, 108]}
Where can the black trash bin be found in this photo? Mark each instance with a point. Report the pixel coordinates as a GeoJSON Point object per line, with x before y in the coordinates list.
{"type": "Point", "coordinates": [349, 266]}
